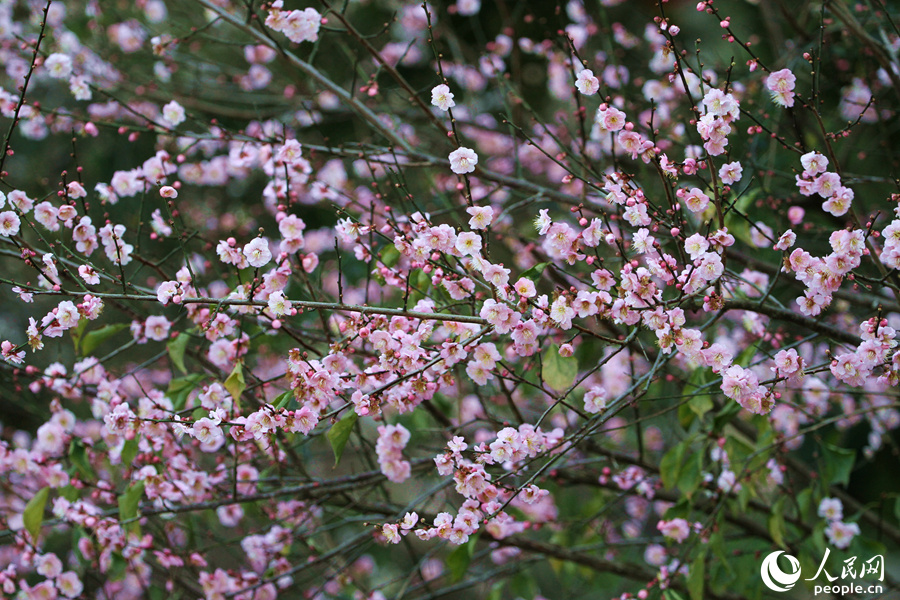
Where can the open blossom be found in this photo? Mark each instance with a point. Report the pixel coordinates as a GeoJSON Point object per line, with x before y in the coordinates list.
{"type": "Point", "coordinates": [59, 66]}
{"type": "Point", "coordinates": [173, 114]}
{"type": "Point", "coordinates": [781, 86]}
{"type": "Point", "coordinates": [468, 8]}
{"type": "Point", "coordinates": [831, 509]}
{"type": "Point", "coordinates": [840, 534]}
{"type": "Point", "coordinates": [257, 252]}
{"type": "Point", "coordinates": [695, 200]}
{"type": "Point", "coordinates": [9, 223]}
{"type": "Point", "coordinates": [468, 243]}
{"type": "Point", "coordinates": [731, 172]}
{"type": "Point", "coordinates": [586, 83]}
{"type": "Point", "coordinates": [298, 25]}
{"type": "Point", "coordinates": [482, 216]}
{"type": "Point", "coordinates": [442, 97]}
{"type": "Point", "coordinates": [463, 160]}
{"type": "Point", "coordinates": [675, 529]}
{"type": "Point", "coordinates": [278, 304]}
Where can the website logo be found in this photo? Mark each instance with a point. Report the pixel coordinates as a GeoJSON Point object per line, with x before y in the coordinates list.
{"type": "Point", "coordinates": [779, 581]}
{"type": "Point", "coordinates": [776, 579]}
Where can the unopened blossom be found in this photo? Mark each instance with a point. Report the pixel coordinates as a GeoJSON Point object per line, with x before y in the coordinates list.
{"type": "Point", "coordinates": [463, 160]}
{"type": "Point", "coordinates": [442, 97]}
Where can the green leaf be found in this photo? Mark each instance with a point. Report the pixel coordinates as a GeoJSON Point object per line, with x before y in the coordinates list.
{"type": "Point", "coordinates": [671, 594]}
{"type": "Point", "coordinates": [558, 372]}
{"type": "Point", "coordinates": [77, 333]}
{"type": "Point", "coordinates": [69, 492]}
{"type": "Point", "coordinates": [717, 543]}
{"type": "Point", "coordinates": [235, 383]}
{"type": "Point", "coordinates": [776, 523]}
{"type": "Point", "coordinates": [743, 359]}
{"type": "Point", "coordinates": [180, 388]}
{"type": "Point", "coordinates": [390, 256]}
{"type": "Point", "coordinates": [129, 501]}
{"type": "Point", "coordinates": [33, 515]}
{"type": "Point", "coordinates": [78, 456]}
{"type": "Point", "coordinates": [496, 592]}
{"type": "Point", "coordinates": [176, 350]}
{"type": "Point", "coordinates": [129, 451]}
{"type": "Point", "coordinates": [670, 466]}
{"type": "Point", "coordinates": [724, 416]}
{"type": "Point", "coordinates": [92, 339]}
{"type": "Point", "coordinates": [691, 475]}
{"type": "Point", "coordinates": [534, 273]}
{"type": "Point", "coordinates": [696, 577]}
{"type": "Point", "coordinates": [838, 464]}
{"type": "Point", "coordinates": [458, 561]}
{"type": "Point", "coordinates": [699, 403]}
{"type": "Point", "coordinates": [282, 400]}
{"type": "Point", "coordinates": [340, 433]}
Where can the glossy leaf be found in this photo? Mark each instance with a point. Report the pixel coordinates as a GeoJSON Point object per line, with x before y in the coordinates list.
{"type": "Point", "coordinates": [340, 433]}
{"type": "Point", "coordinates": [177, 348]}
{"type": "Point", "coordinates": [558, 372]}
{"type": "Point", "coordinates": [33, 515]}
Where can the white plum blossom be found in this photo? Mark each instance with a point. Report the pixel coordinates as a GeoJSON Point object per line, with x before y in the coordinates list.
{"type": "Point", "coordinates": [482, 216]}
{"type": "Point", "coordinates": [442, 97]}
{"type": "Point", "coordinates": [463, 160]}
{"type": "Point", "coordinates": [258, 253]}
{"type": "Point", "coordinates": [586, 83]}
{"type": "Point", "coordinates": [173, 114]}
{"type": "Point", "coordinates": [59, 66]}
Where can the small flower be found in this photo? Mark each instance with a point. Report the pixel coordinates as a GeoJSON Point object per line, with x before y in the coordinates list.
{"type": "Point", "coordinates": [840, 534]}
{"type": "Point", "coordinates": [442, 97]}
{"type": "Point", "coordinates": [482, 216]}
{"type": "Point", "coordinates": [173, 114]}
{"type": "Point", "coordinates": [831, 509]}
{"type": "Point", "coordinates": [731, 172]}
{"type": "Point", "coordinates": [586, 83]}
{"type": "Point", "coordinates": [278, 304]}
{"type": "Point", "coordinates": [257, 252]}
{"type": "Point", "coordinates": [676, 529]}
{"type": "Point", "coordinates": [9, 223]}
{"type": "Point", "coordinates": [468, 243]}
{"type": "Point", "coordinates": [781, 85]}
{"type": "Point", "coordinates": [696, 201]}
{"type": "Point", "coordinates": [463, 160]}
{"type": "Point", "coordinates": [59, 66]}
